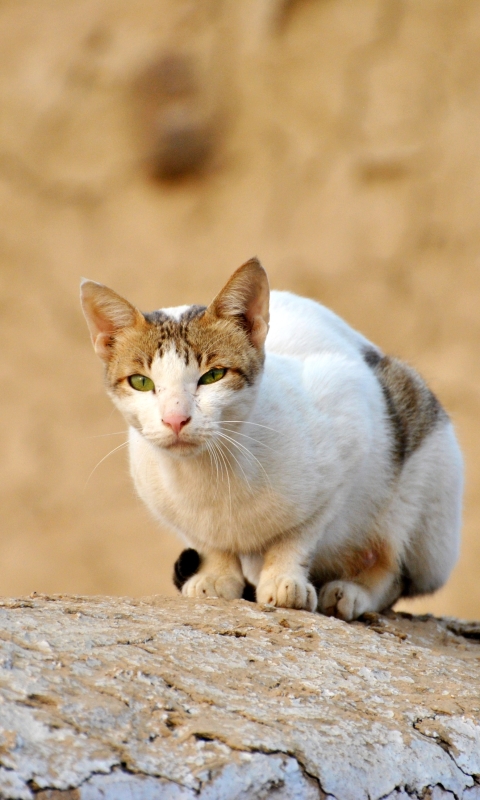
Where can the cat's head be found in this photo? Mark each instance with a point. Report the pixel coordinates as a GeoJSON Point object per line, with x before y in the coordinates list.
{"type": "Point", "coordinates": [177, 373]}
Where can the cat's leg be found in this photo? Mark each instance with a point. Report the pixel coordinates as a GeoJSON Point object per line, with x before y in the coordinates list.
{"type": "Point", "coordinates": [373, 589]}
{"type": "Point", "coordinates": [220, 575]}
{"type": "Point", "coordinates": [421, 535]}
{"type": "Point", "coordinates": [284, 577]}
{"type": "Point", "coordinates": [432, 548]}
{"type": "Point", "coordinates": [252, 567]}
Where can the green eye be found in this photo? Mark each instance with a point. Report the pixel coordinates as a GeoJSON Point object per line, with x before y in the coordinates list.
{"type": "Point", "coordinates": [212, 376]}
{"type": "Point", "coordinates": [141, 383]}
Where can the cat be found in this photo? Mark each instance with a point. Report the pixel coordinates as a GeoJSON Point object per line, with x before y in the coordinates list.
{"type": "Point", "coordinates": [284, 447]}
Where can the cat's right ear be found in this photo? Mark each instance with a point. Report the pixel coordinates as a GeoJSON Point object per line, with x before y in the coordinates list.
{"type": "Point", "coordinates": [106, 314]}
{"type": "Point", "coordinates": [245, 300]}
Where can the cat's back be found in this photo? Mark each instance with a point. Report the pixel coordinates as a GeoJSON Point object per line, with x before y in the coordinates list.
{"type": "Point", "coordinates": [301, 327]}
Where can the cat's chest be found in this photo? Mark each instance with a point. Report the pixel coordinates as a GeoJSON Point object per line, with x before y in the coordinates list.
{"type": "Point", "coordinates": [211, 508]}
{"type": "Point", "coordinates": [236, 521]}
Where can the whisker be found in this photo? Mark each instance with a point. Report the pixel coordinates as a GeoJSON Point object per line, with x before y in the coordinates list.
{"type": "Point", "coordinates": [124, 444]}
{"type": "Point", "coordinates": [258, 425]}
{"type": "Point", "coordinates": [224, 459]}
{"type": "Point", "coordinates": [221, 463]}
{"type": "Point", "coordinates": [213, 461]}
{"type": "Point", "coordinates": [209, 455]}
{"type": "Point", "coordinates": [239, 464]}
{"type": "Point", "coordinates": [248, 452]}
{"type": "Point", "coordinates": [218, 463]}
{"type": "Point", "coordinates": [229, 430]}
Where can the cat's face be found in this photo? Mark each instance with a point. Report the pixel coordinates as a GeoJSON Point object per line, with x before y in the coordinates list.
{"type": "Point", "coordinates": [177, 374]}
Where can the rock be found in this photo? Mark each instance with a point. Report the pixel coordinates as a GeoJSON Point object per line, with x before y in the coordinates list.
{"type": "Point", "coordinates": [116, 698]}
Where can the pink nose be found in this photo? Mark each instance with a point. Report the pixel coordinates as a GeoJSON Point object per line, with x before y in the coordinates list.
{"type": "Point", "coordinates": [175, 421]}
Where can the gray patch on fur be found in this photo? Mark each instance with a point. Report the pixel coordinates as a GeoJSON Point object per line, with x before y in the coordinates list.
{"type": "Point", "coordinates": [372, 357]}
{"type": "Point", "coordinates": [156, 317]}
{"type": "Point", "coordinates": [412, 408]}
{"type": "Point", "coordinates": [192, 313]}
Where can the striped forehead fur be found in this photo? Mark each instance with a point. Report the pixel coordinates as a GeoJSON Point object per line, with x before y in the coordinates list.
{"type": "Point", "coordinates": [196, 335]}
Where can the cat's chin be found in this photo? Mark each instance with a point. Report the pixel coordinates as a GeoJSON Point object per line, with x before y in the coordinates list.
{"type": "Point", "coordinates": [181, 449]}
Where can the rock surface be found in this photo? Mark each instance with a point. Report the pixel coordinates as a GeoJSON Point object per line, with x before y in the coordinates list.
{"type": "Point", "coordinates": [167, 698]}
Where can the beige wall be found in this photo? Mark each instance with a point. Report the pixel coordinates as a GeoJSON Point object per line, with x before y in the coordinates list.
{"type": "Point", "coordinates": [345, 145]}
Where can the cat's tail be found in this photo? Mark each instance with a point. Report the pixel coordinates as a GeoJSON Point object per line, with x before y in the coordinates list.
{"type": "Point", "coordinates": [188, 563]}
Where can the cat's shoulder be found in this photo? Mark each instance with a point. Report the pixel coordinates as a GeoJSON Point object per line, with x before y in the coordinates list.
{"type": "Point", "coordinates": [301, 327]}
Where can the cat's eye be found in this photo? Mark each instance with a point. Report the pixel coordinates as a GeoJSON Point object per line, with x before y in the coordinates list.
{"type": "Point", "coordinates": [141, 383]}
{"type": "Point", "coordinates": [212, 375]}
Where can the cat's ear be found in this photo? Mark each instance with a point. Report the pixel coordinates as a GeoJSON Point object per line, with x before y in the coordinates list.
{"type": "Point", "coordinates": [106, 314]}
{"type": "Point", "coordinates": [245, 299]}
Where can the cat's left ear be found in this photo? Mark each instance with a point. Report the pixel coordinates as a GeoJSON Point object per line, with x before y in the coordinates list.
{"type": "Point", "coordinates": [245, 300]}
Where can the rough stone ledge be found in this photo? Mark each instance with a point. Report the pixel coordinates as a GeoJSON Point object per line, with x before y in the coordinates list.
{"type": "Point", "coordinates": [114, 698]}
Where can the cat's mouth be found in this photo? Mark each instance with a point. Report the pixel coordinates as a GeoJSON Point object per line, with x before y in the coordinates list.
{"type": "Point", "coordinates": [179, 446]}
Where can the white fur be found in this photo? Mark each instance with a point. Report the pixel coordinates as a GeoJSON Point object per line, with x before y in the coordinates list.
{"type": "Point", "coordinates": [311, 470]}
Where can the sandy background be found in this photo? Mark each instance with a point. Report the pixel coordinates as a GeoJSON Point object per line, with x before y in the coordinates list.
{"type": "Point", "coordinates": [155, 146]}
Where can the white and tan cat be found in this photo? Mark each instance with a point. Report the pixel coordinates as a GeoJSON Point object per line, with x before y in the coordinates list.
{"type": "Point", "coordinates": [303, 460]}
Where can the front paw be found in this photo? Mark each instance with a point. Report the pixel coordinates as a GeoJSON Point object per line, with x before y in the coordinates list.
{"type": "Point", "coordinates": [343, 599]}
{"type": "Point", "coordinates": [229, 587]}
{"type": "Point", "coordinates": [286, 591]}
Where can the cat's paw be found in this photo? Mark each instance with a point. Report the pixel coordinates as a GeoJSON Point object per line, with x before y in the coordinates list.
{"type": "Point", "coordinates": [287, 591]}
{"type": "Point", "coordinates": [229, 587]}
{"type": "Point", "coordinates": [344, 599]}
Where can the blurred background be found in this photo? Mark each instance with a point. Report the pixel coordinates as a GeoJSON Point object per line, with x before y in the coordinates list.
{"type": "Point", "coordinates": [155, 146]}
